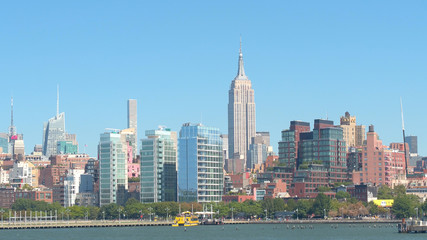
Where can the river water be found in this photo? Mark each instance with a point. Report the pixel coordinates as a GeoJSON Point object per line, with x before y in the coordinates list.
{"type": "Point", "coordinates": [225, 232]}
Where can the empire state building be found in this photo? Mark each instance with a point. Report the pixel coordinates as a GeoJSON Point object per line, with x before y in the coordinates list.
{"type": "Point", "coordinates": [241, 117]}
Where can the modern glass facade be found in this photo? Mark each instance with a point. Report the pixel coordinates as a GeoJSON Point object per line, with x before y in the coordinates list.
{"type": "Point", "coordinates": [327, 147]}
{"type": "Point", "coordinates": [113, 169]}
{"type": "Point", "coordinates": [53, 131]}
{"type": "Point", "coordinates": [66, 147]}
{"type": "Point", "coordinates": [200, 164]}
{"type": "Point", "coordinates": [158, 172]}
{"type": "Point", "coordinates": [4, 145]}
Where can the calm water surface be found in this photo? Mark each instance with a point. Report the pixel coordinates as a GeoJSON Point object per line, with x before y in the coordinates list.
{"type": "Point", "coordinates": [231, 232]}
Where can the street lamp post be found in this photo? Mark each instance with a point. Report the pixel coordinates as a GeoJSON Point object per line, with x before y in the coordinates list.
{"type": "Point", "coordinates": [149, 211]}
{"type": "Point", "coordinates": [167, 214]}
{"type": "Point", "coordinates": [2, 211]}
{"type": "Point", "coordinates": [68, 215]}
{"type": "Point", "coordinates": [119, 213]}
{"type": "Point", "coordinates": [324, 213]}
{"type": "Point", "coordinates": [297, 214]}
{"type": "Point", "coordinates": [103, 216]}
{"type": "Point", "coordinates": [416, 209]}
{"type": "Point", "coordinates": [232, 216]}
{"type": "Point", "coordinates": [266, 211]}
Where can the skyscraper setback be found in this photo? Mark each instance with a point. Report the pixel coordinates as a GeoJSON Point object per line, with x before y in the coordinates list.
{"type": "Point", "coordinates": [241, 116]}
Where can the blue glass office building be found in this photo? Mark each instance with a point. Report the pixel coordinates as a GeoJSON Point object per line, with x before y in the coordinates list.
{"type": "Point", "coordinates": [200, 164]}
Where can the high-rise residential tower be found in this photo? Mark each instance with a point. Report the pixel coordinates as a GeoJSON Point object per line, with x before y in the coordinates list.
{"type": "Point", "coordinates": [113, 168]}
{"type": "Point", "coordinates": [132, 121]}
{"type": "Point", "coordinates": [241, 116]}
{"type": "Point", "coordinates": [200, 165]}
{"type": "Point", "coordinates": [158, 175]}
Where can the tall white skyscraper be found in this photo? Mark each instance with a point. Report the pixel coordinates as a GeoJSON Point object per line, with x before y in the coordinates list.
{"type": "Point", "coordinates": [133, 121]}
{"type": "Point", "coordinates": [241, 117]}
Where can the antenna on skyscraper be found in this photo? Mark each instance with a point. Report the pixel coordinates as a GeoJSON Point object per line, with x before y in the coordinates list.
{"type": "Point", "coordinates": [240, 44]}
{"type": "Point", "coordinates": [11, 111]}
{"type": "Point", "coordinates": [12, 129]}
{"type": "Point", "coordinates": [57, 100]}
{"type": "Point", "coordinates": [404, 140]}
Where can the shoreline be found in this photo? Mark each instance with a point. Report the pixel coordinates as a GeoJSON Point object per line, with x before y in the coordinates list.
{"type": "Point", "coordinates": [137, 223]}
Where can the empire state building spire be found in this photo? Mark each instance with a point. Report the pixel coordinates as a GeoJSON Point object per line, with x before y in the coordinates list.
{"type": "Point", "coordinates": [241, 70]}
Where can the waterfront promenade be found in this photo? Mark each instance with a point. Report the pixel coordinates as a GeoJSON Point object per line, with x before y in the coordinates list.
{"type": "Point", "coordinates": [136, 223]}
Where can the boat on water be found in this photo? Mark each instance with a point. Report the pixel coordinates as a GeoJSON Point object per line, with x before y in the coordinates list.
{"type": "Point", "coordinates": [186, 219]}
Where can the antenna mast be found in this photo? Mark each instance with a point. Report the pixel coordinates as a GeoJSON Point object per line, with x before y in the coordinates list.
{"type": "Point", "coordinates": [404, 139]}
{"type": "Point", "coordinates": [11, 112]}
{"type": "Point", "coordinates": [57, 100]}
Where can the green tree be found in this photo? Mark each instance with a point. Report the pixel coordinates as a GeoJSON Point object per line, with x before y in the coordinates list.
{"type": "Point", "coordinates": [424, 206]}
{"type": "Point", "coordinates": [291, 205]}
{"type": "Point", "coordinates": [373, 208]}
{"type": "Point", "coordinates": [404, 206]}
{"type": "Point", "coordinates": [399, 190]}
{"type": "Point", "coordinates": [111, 211]}
{"type": "Point", "coordinates": [133, 179]}
{"type": "Point", "coordinates": [77, 212]}
{"type": "Point", "coordinates": [323, 189]}
{"type": "Point", "coordinates": [321, 203]}
{"type": "Point", "coordinates": [252, 208]}
{"type": "Point", "coordinates": [222, 210]}
{"type": "Point", "coordinates": [303, 207]}
{"type": "Point", "coordinates": [342, 195]}
{"type": "Point", "coordinates": [385, 192]}
{"type": "Point", "coordinates": [93, 212]}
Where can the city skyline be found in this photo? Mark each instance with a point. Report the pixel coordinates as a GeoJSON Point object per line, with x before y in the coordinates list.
{"type": "Point", "coordinates": [362, 64]}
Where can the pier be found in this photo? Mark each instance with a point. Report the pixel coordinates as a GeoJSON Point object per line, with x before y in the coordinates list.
{"type": "Point", "coordinates": [305, 221]}
{"type": "Point", "coordinates": [81, 224]}
{"type": "Point", "coordinates": [413, 227]}
{"type": "Point", "coordinates": [137, 223]}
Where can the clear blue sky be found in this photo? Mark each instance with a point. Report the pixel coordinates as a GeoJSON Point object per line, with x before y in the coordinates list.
{"type": "Point", "coordinates": [306, 60]}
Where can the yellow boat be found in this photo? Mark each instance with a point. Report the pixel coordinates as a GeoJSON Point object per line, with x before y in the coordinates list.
{"type": "Point", "coordinates": [186, 219]}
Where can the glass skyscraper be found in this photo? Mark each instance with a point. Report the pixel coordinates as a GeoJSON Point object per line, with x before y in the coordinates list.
{"type": "Point", "coordinates": [200, 164]}
{"type": "Point", "coordinates": [53, 131]}
{"type": "Point", "coordinates": [158, 172]}
{"type": "Point", "coordinates": [113, 169]}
